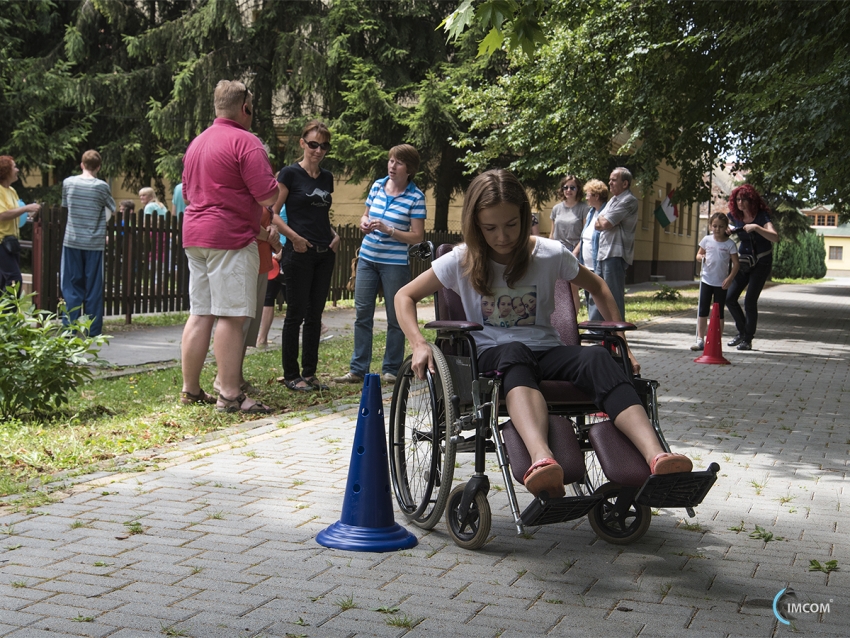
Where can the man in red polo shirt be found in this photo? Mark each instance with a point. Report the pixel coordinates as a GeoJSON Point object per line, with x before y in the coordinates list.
{"type": "Point", "coordinates": [227, 178]}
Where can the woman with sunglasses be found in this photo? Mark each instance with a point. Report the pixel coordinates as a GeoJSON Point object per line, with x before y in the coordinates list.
{"type": "Point", "coordinates": [749, 219]}
{"type": "Point", "coordinates": [308, 255]}
{"type": "Point", "coordinates": [569, 215]}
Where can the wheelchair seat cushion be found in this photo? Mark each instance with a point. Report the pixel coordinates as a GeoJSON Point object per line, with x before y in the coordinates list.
{"type": "Point", "coordinates": [562, 442]}
{"type": "Point", "coordinates": [563, 393]}
{"type": "Point", "coordinates": [618, 456]}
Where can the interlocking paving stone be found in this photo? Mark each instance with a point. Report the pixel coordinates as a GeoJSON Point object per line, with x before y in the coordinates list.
{"type": "Point", "coordinates": [773, 420]}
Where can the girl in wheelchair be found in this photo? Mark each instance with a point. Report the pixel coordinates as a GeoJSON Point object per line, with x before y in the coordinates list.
{"type": "Point", "coordinates": [500, 258]}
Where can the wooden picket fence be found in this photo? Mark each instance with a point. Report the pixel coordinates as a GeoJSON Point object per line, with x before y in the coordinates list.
{"type": "Point", "coordinates": [145, 267]}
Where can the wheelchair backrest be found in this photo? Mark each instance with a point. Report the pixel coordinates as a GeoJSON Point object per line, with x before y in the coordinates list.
{"type": "Point", "coordinates": [450, 306]}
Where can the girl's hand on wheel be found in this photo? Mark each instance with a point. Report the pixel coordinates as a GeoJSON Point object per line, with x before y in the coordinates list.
{"type": "Point", "coordinates": [422, 360]}
{"type": "Point", "coordinates": [635, 364]}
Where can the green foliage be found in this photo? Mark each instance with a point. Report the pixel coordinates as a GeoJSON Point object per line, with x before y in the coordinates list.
{"type": "Point", "coordinates": [825, 567]}
{"type": "Point", "coordinates": [666, 293]}
{"type": "Point", "coordinates": [42, 361]}
{"type": "Point", "coordinates": [801, 257]}
{"type": "Point", "coordinates": [686, 82]}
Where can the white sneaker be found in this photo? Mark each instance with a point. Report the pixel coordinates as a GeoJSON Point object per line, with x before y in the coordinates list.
{"type": "Point", "coordinates": [699, 345]}
{"type": "Point", "coordinates": [348, 377]}
{"type": "Point", "coordinates": [388, 378]}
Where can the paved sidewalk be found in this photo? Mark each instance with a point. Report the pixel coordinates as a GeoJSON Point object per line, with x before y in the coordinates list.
{"type": "Point", "coordinates": [228, 525]}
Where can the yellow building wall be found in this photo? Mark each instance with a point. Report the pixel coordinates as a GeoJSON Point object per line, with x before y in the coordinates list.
{"type": "Point", "coordinates": [837, 267]}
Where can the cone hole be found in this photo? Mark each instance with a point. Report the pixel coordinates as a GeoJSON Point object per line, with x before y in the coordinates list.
{"type": "Point", "coordinates": [360, 449]}
{"type": "Point", "coordinates": [357, 488]}
{"type": "Point", "coordinates": [364, 412]}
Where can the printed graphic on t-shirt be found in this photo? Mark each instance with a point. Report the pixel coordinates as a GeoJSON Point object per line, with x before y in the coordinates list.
{"type": "Point", "coordinates": [509, 307]}
{"type": "Point", "coordinates": [324, 197]}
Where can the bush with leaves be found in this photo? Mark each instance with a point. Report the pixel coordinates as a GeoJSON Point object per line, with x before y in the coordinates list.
{"type": "Point", "coordinates": [803, 257]}
{"type": "Point", "coordinates": [41, 360]}
{"type": "Point", "coordinates": [666, 293]}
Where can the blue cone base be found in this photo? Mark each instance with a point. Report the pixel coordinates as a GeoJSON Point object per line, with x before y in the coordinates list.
{"type": "Point", "coordinates": [366, 539]}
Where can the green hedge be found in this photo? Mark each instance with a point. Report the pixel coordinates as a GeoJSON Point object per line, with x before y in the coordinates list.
{"type": "Point", "coordinates": [803, 257]}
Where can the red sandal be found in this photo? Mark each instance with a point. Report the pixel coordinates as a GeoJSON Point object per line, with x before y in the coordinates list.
{"type": "Point", "coordinates": [545, 476]}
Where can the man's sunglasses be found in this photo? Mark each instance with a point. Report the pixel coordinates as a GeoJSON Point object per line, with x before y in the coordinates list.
{"type": "Point", "coordinates": [325, 146]}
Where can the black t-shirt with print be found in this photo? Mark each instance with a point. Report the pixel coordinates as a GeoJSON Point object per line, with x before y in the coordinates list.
{"type": "Point", "coordinates": [308, 203]}
{"type": "Point", "coordinates": [746, 246]}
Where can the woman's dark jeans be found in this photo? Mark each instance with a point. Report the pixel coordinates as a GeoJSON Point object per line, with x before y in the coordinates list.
{"type": "Point", "coordinates": [753, 281]}
{"type": "Point", "coordinates": [308, 279]}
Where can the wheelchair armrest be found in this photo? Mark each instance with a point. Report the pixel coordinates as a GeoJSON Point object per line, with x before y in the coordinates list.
{"type": "Point", "coordinates": [454, 326]}
{"type": "Point", "coordinates": [607, 326]}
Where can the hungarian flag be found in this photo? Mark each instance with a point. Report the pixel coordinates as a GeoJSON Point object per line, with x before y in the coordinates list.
{"type": "Point", "coordinates": [667, 213]}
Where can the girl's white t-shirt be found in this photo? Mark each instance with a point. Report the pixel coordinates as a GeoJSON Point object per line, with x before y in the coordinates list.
{"type": "Point", "coordinates": [715, 263]}
{"type": "Point", "coordinates": [550, 261]}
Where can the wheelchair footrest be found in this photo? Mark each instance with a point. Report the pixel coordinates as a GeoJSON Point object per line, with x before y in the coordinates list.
{"type": "Point", "coordinates": [558, 510]}
{"type": "Point", "coordinates": [686, 489]}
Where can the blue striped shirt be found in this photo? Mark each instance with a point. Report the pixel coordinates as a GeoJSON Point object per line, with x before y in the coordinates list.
{"type": "Point", "coordinates": [396, 212]}
{"type": "Point", "coordinates": [85, 199]}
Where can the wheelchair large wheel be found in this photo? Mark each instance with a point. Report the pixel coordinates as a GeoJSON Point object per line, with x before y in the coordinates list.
{"type": "Point", "coordinates": [422, 454]}
{"type": "Point", "coordinates": [474, 534]}
{"type": "Point", "coordinates": [615, 526]}
{"type": "Point", "coordinates": [594, 476]}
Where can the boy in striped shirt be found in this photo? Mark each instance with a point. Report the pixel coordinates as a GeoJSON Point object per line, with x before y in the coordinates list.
{"type": "Point", "coordinates": [87, 198]}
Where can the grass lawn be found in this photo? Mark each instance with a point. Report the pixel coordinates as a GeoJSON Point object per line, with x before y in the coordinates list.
{"type": "Point", "coordinates": [111, 418]}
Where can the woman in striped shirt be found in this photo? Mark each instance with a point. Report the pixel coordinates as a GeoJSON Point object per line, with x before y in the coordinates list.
{"type": "Point", "coordinates": [394, 219]}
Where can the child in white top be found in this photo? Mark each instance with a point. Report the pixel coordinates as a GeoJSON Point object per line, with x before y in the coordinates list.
{"type": "Point", "coordinates": [715, 253]}
{"type": "Point", "coordinates": [500, 252]}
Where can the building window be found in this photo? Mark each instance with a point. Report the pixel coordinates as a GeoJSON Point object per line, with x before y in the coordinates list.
{"type": "Point", "coordinates": [830, 220]}
{"type": "Point", "coordinates": [836, 252]}
{"type": "Point", "coordinates": [821, 220]}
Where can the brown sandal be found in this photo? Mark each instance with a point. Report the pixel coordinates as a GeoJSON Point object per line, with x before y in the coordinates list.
{"type": "Point", "coordinates": [187, 398]}
{"type": "Point", "coordinates": [235, 405]}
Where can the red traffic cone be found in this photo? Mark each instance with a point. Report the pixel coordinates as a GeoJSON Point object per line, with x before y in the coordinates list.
{"type": "Point", "coordinates": [713, 352]}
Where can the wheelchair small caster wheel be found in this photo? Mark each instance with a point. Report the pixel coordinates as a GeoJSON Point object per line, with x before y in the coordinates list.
{"type": "Point", "coordinates": [618, 523]}
{"type": "Point", "coordinates": [474, 534]}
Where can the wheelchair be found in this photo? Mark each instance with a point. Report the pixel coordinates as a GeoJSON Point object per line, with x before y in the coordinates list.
{"type": "Point", "coordinates": [457, 410]}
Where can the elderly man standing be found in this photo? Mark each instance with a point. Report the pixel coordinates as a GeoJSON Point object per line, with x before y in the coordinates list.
{"type": "Point", "coordinates": [227, 178]}
{"type": "Point", "coordinates": [617, 223]}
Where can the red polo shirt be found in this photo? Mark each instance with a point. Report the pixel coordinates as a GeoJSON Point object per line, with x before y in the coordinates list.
{"type": "Point", "coordinates": [226, 172]}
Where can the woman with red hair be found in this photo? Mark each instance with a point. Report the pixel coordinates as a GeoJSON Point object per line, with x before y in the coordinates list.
{"type": "Point", "coordinates": [749, 218]}
{"type": "Point", "coordinates": [10, 213]}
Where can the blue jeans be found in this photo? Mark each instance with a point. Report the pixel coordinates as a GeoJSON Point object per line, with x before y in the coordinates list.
{"type": "Point", "coordinates": [613, 271]}
{"type": "Point", "coordinates": [82, 286]}
{"type": "Point", "coordinates": [370, 276]}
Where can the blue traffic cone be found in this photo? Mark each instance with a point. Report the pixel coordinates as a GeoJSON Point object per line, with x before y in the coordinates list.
{"type": "Point", "coordinates": [367, 523]}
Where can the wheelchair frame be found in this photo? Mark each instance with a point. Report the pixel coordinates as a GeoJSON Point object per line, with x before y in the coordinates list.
{"type": "Point", "coordinates": [428, 419]}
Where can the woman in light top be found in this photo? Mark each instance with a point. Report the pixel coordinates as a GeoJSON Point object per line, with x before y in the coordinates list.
{"type": "Point", "coordinates": [150, 203]}
{"type": "Point", "coordinates": [394, 220]}
{"type": "Point", "coordinates": [11, 211]}
{"type": "Point", "coordinates": [597, 197]}
{"type": "Point", "coordinates": [569, 215]}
